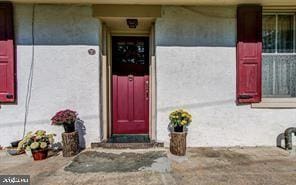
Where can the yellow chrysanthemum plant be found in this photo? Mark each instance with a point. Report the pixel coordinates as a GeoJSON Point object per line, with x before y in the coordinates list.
{"type": "Point", "coordinates": [180, 119]}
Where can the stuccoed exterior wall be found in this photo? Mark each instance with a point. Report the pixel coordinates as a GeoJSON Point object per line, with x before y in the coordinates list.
{"type": "Point", "coordinates": [196, 70]}
{"type": "Point", "coordinates": [65, 75]}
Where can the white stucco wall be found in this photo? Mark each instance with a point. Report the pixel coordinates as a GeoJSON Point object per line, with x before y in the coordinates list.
{"type": "Point", "coordinates": [65, 75]}
{"type": "Point", "coordinates": [196, 70]}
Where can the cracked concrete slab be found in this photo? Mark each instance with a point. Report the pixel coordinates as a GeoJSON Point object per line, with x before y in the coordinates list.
{"type": "Point", "coordinates": [93, 161]}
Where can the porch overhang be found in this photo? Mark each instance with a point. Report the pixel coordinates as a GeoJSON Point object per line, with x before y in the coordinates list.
{"type": "Point", "coordinates": [168, 2]}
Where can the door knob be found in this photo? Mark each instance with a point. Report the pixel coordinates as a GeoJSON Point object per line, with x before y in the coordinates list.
{"type": "Point", "coordinates": [147, 94]}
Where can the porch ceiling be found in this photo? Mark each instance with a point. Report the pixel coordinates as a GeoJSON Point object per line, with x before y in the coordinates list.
{"type": "Point", "coordinates": [119, 25]}
{"type": "Point", "coordinates": [166, 2]}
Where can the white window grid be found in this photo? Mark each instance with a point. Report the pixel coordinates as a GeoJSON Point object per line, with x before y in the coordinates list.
{"type": "Point", "coordinates": [276, 53]}
{"type": "Point", "coordinates": [276, 34]}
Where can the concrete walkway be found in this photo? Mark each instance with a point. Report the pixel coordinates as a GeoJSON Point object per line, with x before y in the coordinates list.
{"type": "Point", "coordinates": [211, 166]}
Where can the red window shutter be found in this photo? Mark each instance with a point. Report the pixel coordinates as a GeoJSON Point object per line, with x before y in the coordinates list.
{"type": "Point", "coordinates": [7, 68]}
{"type": "Point", "coordinates": [249, 53]}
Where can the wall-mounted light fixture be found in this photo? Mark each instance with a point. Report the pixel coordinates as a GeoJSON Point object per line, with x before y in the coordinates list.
{"type": "Point", "coordinates": [132, 23]}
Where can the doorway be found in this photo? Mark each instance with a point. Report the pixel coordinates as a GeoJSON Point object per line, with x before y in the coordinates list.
{"type": "Point", "coordinates": [130, 85]}
{"type": "Point", "coordinates": [114, 26]}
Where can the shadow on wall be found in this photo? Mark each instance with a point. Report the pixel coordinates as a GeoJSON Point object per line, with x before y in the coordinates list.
{"type": "Point", "coordinates": [55, 25]}
{"type": "Point", "coordinates": [198, 105]}
{"type": "Point", "coordinates": [196, 26]}
{"type": "Point", "coordinates": [80, 128]}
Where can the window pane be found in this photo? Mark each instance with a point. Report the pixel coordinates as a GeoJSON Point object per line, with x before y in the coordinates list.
{"type": "Point", "coordinates": [285, 33]}
{"type": "Point", "coordinates": [268, 33]}
{"type": "Point", "coordinates": [129, 52]}
{"type": "Point", "coordinates": [279, 76]}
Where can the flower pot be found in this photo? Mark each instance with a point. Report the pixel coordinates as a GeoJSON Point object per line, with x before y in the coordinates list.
{"type": "Point", "coordinates": [178, 128]}
{"type": "Point", "coordinates": [69, 127]}
{"type": "Point", "coordinates": [178, 143]}
{"type": "Point", "coordinates": [39, 154]}
{"type": "Point", "coordinates": [70, 144]}
{"type": "Point", "coordinates": [15, 143]}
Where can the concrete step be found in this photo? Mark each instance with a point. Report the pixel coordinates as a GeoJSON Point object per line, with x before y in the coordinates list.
{"type": "Point", "coordinates": [129, 138]}
{"type": "Point", "coordinates": [104, 144]}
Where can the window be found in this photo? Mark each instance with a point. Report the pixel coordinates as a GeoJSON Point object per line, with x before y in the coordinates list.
{"type": "Point", "coordinates": [130, 55]}
{"type": "Point", "coordinates": [279, 56]}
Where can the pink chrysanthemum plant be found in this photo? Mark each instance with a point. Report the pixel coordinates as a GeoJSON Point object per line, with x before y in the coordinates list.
{"type": "Point", "coordinates": [67, 118]}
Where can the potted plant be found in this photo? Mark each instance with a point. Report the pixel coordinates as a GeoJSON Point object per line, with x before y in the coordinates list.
{"type": "Point", "coordinates": [179, 120]}
{"type": "Point", "coordinates": [37, 143]}
{"type": "Point", "coordinates": [23, 145]}
{"type": "Point", "coordinates": [66, 118]}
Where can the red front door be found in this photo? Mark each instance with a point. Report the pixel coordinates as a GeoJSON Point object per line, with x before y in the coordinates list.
{"type": "Point", "coordinates": [130, 78]}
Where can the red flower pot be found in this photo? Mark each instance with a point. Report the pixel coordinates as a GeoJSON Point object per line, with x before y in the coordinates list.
{"type": "Point", "coordinates": [39, 154]}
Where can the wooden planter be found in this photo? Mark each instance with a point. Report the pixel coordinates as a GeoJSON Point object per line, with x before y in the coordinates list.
{"type": "Point", "coordinates": [70, 144]}
{"type": "Point", "coordinates": [178, 143]}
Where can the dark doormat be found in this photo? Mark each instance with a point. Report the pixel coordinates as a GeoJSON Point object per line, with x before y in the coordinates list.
{"type": "Point", "coordinates": [129, 139]}
{"type": "Point", "coordinates": [92, 161]}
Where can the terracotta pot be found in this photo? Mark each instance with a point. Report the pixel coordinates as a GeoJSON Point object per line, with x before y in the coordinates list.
{"type": "Point", "coordinates": [178, 128]}
{"type": "Point", "coordinates": [39, 154]}
{"type": "Point", "coordinates": [69, 127]}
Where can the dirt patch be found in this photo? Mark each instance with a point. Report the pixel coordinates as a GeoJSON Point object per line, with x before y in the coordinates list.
{"type": "Point", "coordinates": [221, 154]}
{"type": "Point", "coordinates": [92, 161]}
